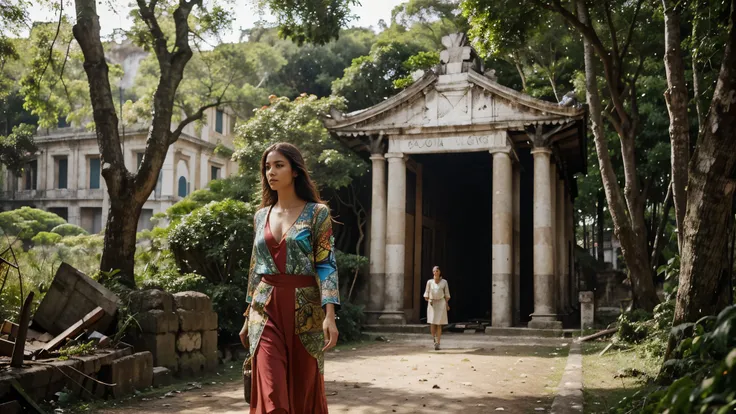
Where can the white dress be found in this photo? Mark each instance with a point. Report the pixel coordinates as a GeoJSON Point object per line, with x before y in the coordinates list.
{"type": "Point", "coordinates": [437, 293]}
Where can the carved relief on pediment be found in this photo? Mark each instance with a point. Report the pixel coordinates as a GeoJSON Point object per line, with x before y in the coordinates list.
{"type": "Point", "coordinates": [462, 105]}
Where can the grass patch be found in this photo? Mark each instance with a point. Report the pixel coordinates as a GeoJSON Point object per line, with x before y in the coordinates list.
{"type": "Point", "coordinates": [616, 375]}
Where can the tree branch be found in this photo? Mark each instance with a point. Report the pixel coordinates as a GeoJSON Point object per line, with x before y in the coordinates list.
{"type": "Point", "coordinates": [148, 14]}
{"type": "Point", "coordinates": [612, 29]}
{"type": "Point", "coordinates": [53, 42]}
{"type": "Point", "coordinates": [189, 119]}
{"type": "Point", "coordinates": [630, 34]}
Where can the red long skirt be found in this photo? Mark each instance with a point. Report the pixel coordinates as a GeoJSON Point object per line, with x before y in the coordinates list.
{"type": "Point", "coordinates": [286, 378]}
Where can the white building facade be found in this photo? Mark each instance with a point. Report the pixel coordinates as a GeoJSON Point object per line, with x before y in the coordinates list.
{"type": "Point", "coordinates": [64, 177]}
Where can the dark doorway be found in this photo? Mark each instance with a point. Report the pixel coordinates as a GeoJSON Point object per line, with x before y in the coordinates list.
{"type": "Point", "coordinates": [456, 231]}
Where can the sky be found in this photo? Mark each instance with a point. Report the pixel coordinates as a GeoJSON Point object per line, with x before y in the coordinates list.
{"type": "Point", "coordinates": [368, 14]}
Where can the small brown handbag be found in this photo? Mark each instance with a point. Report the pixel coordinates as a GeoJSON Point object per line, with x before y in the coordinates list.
{"type": "Point", "coordinates": [247, 364]}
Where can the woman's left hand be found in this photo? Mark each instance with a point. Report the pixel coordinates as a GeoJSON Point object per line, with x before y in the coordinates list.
{"type": "Point", "coordinates": [330, 330]}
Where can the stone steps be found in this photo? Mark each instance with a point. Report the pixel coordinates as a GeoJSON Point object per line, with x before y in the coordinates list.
{"type": "Point", "coordinates": [490, 331]}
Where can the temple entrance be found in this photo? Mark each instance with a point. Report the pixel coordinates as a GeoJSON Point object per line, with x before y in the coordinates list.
{"type": "Point", "coordinates": [456, 230]}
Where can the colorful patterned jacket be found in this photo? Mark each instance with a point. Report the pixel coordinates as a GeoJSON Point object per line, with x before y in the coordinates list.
{"type": "Point", "coordinates": [310, 251]}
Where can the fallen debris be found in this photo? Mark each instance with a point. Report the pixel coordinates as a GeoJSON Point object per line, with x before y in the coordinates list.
{"type": "Point", "coordinates": [598, 335]}
{"type": "Point", "coordinates": [87, 321]}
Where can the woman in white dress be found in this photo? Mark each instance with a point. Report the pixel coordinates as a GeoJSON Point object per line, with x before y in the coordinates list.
{"type": "Point", "coordinates": [437, 295]}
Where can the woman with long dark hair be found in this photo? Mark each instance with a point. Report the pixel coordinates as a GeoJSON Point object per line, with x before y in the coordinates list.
{"type": "Point", "coordinates": [292, 289]}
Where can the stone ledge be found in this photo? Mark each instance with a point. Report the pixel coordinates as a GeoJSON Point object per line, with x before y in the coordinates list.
{"type": "Point", "coordinates": [525, 332]}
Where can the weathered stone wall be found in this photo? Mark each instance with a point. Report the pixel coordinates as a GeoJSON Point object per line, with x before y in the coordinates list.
{"type": "Point", "coordinates": [78, 375]}
{"type": "Point", "coordinates": [179, 330]}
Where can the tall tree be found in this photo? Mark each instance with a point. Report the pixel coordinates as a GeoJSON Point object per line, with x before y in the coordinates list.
{"type": "Point", "coordinates": [711, 175]}
{"type": "Point", "coordinates": [614, 39]}
{"type": "Point", "coordinates": [128, 191]}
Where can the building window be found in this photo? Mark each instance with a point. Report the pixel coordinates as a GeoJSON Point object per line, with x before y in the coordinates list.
{"type": "Point", "coordinates": [94, 172]}
{"type": "Point", "coordinates": [218, 121]}
{"type": "Point", "coordinates": [91, 219]}
{"type": "Point", "coordinates": [183, 186]}
{"type": "Point", "coordinates": [214, 173]}
{"type": "Point", "coordinates": [62, 169]}
{"type": "Point", "coordinates": [31, 175]}
{"type": "Point", "coordinates": [62, 212]}
{"type": "Point", "coordinates": [144, 220]}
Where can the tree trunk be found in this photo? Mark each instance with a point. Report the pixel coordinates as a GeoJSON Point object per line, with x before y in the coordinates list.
{"type": "Point", "coordinates": [712, 179]}
{"type": "Point", "coordinates": [601, 256]}
{"type": "Point", "coordinates": [676, 97]}
{"type": "Point", "coordinates": [119, 249]}
{"type": "Point", "coordinates": [659, 239]}
{"type": "Point", "coordinates": [631, 234]}
{"type": "Point", "coordinates": [128, 192]}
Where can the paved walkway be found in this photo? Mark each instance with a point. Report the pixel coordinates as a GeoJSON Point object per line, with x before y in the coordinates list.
{"type": "Point", "coordinates": [471, 374]}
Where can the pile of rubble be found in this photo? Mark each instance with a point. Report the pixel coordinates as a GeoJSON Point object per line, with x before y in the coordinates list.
{"type": "Point", "coordinates": [70, 343]}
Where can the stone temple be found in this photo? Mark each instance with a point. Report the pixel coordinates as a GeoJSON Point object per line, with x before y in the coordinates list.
{"type": "Point", "coordinates": [479, 179]}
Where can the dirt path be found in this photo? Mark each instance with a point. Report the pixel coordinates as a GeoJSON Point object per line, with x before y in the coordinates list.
{"type": "Point", "coordinates": [472, 374]}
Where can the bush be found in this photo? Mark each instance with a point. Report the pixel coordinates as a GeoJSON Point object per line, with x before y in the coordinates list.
{"type": "Point", "coordinates": [703, 367]}
{"type": "Point", "coordinates": [349, 319]}
{"type": "Point", "coordinates": [45, 238]}
{"type": "Point", "coordinates": [69, 230]}
{"type": "Point", "coordinates": [215, 241]}
{"type": "Point", "coordinates": [229, 303]}
{"type": "Point", "coordinates": [27, 222]}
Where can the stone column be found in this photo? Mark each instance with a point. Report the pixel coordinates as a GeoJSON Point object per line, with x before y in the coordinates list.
{"type": "Point", "coordinates": [544, 288]}
{"type": "Point", "coordinates": [562, 281]}
{"type": "Point", "coordinates": [395, 238]}
{"type": "Point", "coordinates": [553, 212]}
{"type": "Point", "coordinates": [517, 243]}
{"type": "Point", "coordinates": [378, 233]}
{"type": "Point", "coordinates": [502, 239]}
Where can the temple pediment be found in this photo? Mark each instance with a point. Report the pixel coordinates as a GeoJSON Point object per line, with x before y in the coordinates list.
{"type": "Point", "coordinates": [464, 101]}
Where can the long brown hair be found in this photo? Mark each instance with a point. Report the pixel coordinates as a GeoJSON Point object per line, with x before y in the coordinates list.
{"type": "Point", "coordinates": [303, 184]}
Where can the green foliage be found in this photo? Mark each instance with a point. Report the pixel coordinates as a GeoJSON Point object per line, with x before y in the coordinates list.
{"type": "Point", "coordinates": [80, 349]}
{"type": "Point", "coordinates": [298, 122]}
{"type": "Point", "coordinates": [228, 300]}
{"type": "Point", "coordinates": [215, 241]}
{"type": "Point", "coordinates": [420, 61]}
{"type": "Point", "coordinates": [349, 320]}
{"type": "Point", "coordinates": [46, 238]}
{"type": "Point", "coordinates": [702, 371]}
{"type": "Point", "coordinates": [26, 222]}
{"type": "Point", "coordinates": [316, 21]}
{"type": "Point", "coordinates": [17, 147]}
{"type": "Point", "coordinates": [370, 79]}
{"type": "Point", "coordinates": [69, 230]}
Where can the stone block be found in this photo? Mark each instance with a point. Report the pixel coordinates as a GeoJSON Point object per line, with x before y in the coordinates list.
{"type": "Point", "coordinates": [191, 363]}
{"type": "Point", "coordinates": [158, 321]}
{"type": "Point", "coordinates": [161, 377]}
{"type": "Point", "coordinates": [145, 300]}
{"type": "Point", "coordinates": [209, 344]}
{"type": "Point", "coordinates": [210, 321]}
{"type": "Point", "coordinates": [190, 321]}
{"type": "Point", "coordinates": [587, 309]}
{"type": "Point", "coordinates": [194, 301]}
{"type": "Point", "coordinates": [161, 346]}
{"type": "Point", "coordinates": [188, 341]}
{"type": "Point", "coordinates": [37, 376]}
{"type": "Point", "coordinates": [143, 370]}
{"type": "Point", "coordinates": [121, 373]}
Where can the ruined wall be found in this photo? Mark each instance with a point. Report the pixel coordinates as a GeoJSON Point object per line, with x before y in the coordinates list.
{"type": "Point", "coordinates": [179, 330]}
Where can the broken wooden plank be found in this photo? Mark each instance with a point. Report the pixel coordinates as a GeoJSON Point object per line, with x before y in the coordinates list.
{"type": "Point", "coordinates": [598, 335]}
{"type": "Point", "coordinates": [9, 328]}
{"type": "Point", "coordinates": [6, 347]}
{"type": "Point", "coordinates": [20, 340]}
{"type": "Point", "coordinates": [603, 352]}
{"type": "Point", "coordinates": [74, 330]}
